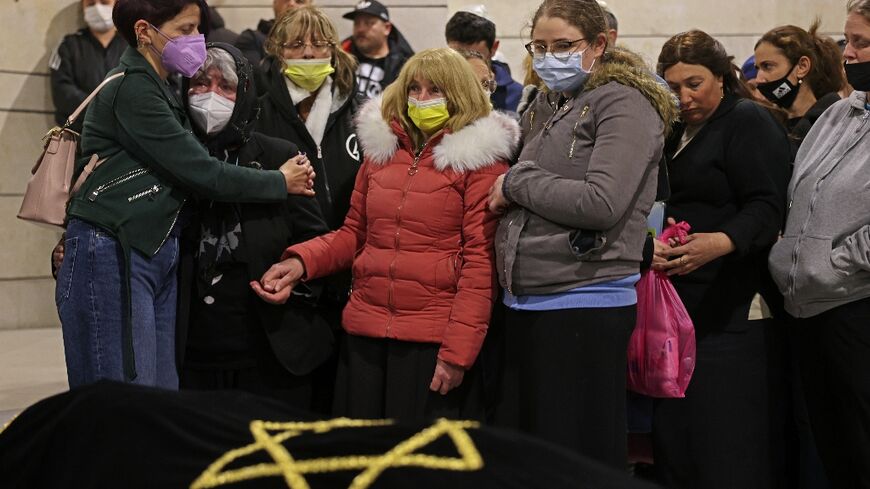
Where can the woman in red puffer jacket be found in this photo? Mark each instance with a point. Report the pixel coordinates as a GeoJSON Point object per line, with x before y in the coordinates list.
{"type": "Point", "coordinates": [419, 239]}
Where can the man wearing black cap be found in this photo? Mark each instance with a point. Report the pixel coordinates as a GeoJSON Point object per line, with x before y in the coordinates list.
{"type": "Point", "coordinates": [378, 45]}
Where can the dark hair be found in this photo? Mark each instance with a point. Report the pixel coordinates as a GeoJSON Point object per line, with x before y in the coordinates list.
{"type": "Point", "coordinates": [825, 75]}
{"type": "Point", "coordinates": [612, 23]}
{"type": "Point", "coordinates": [127, 12]}
{"type": "Point", "coordinates": [586, 15]}
{"type": "Point", "coordinates": [468, 28]}
{"type": "Point", "coordinates": [699, 48]}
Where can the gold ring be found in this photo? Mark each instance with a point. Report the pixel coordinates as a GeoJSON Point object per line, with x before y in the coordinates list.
{"type": "Point", "coordinates": [683, 260]}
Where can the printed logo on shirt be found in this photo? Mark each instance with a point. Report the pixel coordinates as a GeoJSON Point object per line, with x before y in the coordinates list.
{"type": "Point", "coordinates": [352, 146]}
{"type": "Point", "coordinates": [369, 78]}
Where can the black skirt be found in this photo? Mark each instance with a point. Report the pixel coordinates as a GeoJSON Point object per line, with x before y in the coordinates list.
{"type": "Point", "coordinates": [387, 378]}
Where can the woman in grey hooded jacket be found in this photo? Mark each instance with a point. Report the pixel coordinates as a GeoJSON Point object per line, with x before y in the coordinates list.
{"type": "Point", "coordinates": [569, 247]}
{"type": "Point", "coordinates": [822, 267]}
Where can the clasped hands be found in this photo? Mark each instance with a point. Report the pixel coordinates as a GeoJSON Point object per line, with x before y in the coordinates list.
{"type": "Point", "coordinates": [695, 251]}
{"type": "Point", "coordinates": [277, 284]}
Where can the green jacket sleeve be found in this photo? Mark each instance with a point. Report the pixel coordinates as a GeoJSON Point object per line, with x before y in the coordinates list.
{"type": "Point", "coordinates": [152, 134]}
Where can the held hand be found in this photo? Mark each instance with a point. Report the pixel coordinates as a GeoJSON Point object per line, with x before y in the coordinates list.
{"type": "Point", "coordinates": [57, 257]}
{"type": "Point", "coordinates": [660, 255]}
{"type": "Point", "coordinates": [277, 283]}
{"type": "Point", "coordinates": [298, 176]}
{"type": "Point", "coordinates": [497, 201]}
{"type": "Point", "coordinates": [698, 250]}
{"type": "Point", "coordinates": [447, 377]}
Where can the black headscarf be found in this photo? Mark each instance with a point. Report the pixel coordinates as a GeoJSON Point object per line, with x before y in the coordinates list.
{"type": "Point", "coordinates": [247, 109]}
{"type": "Point", "coordinates": [221, 240]}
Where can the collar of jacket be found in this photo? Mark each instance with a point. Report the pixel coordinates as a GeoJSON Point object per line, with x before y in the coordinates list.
{"type": "Point", "coordinates": [480, 144]}
{"type": "Point", "coordinates": [627, 68]}
{"type": "Point", "coordinates": [858, 100]}
{"type": "Point", "coordinates": [132, 61]}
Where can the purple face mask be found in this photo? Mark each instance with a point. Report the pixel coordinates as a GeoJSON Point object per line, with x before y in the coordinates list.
{"type": "Point", "coordinates": [183, 55]}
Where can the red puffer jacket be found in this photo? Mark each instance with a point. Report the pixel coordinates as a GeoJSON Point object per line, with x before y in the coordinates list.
{"type": "Point", "coordinates": [419, 235]}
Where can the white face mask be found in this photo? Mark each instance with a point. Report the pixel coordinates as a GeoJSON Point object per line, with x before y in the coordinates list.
{"type": "Point", "coordinates": [99, 17]}
{"type": "Point", "coordinates": [210, 111]}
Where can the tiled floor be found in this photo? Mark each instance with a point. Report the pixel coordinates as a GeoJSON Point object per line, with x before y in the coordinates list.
{"type": "Point", "coordinates": [31, 368]}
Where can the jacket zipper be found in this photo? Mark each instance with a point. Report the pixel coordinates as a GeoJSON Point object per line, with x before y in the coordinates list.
{"type": "Point", "coordinates": [115, 182]}
{"type": "Point", "coordinates": [508, 278]}
{"type": "Point", "coordinates": [390, 295]}
{"type": "Point", "coordinates": [174, 220]}
{"type": "Point", "coordinates": [145, 193]}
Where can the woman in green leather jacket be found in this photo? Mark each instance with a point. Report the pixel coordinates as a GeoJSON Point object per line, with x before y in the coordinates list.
{"type": "Point", "coordinates": [116, 289]}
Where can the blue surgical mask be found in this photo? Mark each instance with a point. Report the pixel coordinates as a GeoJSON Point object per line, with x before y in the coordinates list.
{"type": "Point", "coordinates": [562, 76]}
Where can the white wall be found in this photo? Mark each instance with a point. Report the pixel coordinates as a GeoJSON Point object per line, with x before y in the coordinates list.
{"type": "Point", "coordinates": [32, 28]}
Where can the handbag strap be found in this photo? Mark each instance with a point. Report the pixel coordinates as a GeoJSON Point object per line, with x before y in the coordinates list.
{"type": "Point", "coordinates": [72, 118]}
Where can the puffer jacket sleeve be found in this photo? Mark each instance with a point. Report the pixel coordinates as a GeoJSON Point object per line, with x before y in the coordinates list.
{"type": "Point", "coordinates": [476, 288]}
{"type": "Point", "coordinates": [333, 252]}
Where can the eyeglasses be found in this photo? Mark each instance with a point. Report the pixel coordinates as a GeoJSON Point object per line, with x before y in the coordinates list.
{"type": "Point", "coordinates": [317, 47]}
{"type": "Point", "coordinates": [489, 85]}
{"type": "Point", "coordinates": [560, 50]}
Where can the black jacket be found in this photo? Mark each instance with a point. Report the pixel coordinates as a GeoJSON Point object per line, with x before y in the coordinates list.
{"type": "Point", "coordinates": [252, 42]}
{"type": "Point", "coordinates": [730, 178]}
{"type": "Point", "coordinates": [337, 159]}
{"type": "Point", "coordinates": [298, 335]}
{"type": "Point", "coordinates": [799, 127]}
{"type": "Point", "coordinates": [400, 51]}
{"type": "Point", "coordinates": [78, 65]}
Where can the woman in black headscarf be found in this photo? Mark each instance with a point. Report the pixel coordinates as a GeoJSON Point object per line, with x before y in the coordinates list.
{"type": "Point", "coordinates": [227, 337]}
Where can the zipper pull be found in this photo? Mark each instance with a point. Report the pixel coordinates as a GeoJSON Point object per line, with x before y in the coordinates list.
{"type": "Point", "coordinates": [319, 153]}
{"type": "Point", "coordinates": [93, 195]}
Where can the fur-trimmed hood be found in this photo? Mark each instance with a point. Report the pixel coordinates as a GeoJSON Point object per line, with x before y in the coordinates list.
{"type": "Point", "coordinates": [480, 144]}
{"type": "Point", "coordinates": [626, 68]}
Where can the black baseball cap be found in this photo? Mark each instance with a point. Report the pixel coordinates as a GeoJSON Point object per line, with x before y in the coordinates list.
{"type": "Point", "coordinates": [370, 7]}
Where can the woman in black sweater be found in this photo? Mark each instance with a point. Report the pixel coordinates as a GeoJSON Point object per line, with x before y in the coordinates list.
{"type": "Point", "coordinates": [729, 167]}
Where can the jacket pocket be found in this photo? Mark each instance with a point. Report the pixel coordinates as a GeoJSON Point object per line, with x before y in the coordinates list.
{"type": "Point", "coordinates": [815, 277]}
{"type": "Point", "coordinates": [587, 245]}
{"type": "Point", "coordinates": [447, 272]}
{"type": "Point", "coordinates": [117, 182]}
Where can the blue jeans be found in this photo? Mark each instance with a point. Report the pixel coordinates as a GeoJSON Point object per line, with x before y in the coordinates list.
{"type": "Point", "coordinates": [90, 298]}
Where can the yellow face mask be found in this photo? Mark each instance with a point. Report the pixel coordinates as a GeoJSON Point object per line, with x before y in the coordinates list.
{"type": "Point", "coordinates": [429, 116]}
{"type": "Point", "coordinates": [308, 74]}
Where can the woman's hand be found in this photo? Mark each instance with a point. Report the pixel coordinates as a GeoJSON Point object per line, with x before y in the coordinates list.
{"type": "Point", "coordinates": [447, 377]}
{"type": "Point", "coordinates": [298, 176]}
{"type": "Point", "coordinates": [697, 250]}
{"type": "Point", "coordinates": [497, 202]}
{"type": "Point", "coordinates": [660, 255]}
{"type": "Point", "coordinates": [277, 283]}
{"type": "Point", "coordinates": [57, 257]}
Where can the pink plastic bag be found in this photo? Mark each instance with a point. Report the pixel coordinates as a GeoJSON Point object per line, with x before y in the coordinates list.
{"type": "Point", "coordinates": [661, 352]}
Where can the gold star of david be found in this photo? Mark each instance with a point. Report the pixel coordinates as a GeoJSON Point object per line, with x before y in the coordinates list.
{"type": "Point", "coordinates": [269, 436]}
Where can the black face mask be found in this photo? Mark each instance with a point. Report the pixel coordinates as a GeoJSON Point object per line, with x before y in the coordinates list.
{"type": "Point", "coordinates": [858, 75]}
{"type": "Point", "coordinates": [782, 92]}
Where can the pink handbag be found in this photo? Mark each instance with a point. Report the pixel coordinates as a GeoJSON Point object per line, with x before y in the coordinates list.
{"type": "Point", "coordinates": [50, 185]}
{"type": "Point", "coordinates": [662, 350]}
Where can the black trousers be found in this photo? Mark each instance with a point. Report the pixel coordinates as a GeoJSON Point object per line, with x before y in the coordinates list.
{"type": "Point", "coordinates": [564, 378]}
{"type": "Point", "coordinates": [386, 378]}
{"type": "Point", "coordinates": [719, 435]}
{"type": "Point", "coordinates": [834, 354]}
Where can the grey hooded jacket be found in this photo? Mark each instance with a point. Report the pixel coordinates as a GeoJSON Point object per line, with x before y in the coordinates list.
{"type": "Point", "coordinates": [823, 258]}
{"type": "Point", "coordinates": [585, 182]}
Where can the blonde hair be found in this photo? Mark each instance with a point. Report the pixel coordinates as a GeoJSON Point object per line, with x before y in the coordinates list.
{"type": "Point", "coordinates": [298, 23]}
{"type": "Point", "coordinates": [453, 75]}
